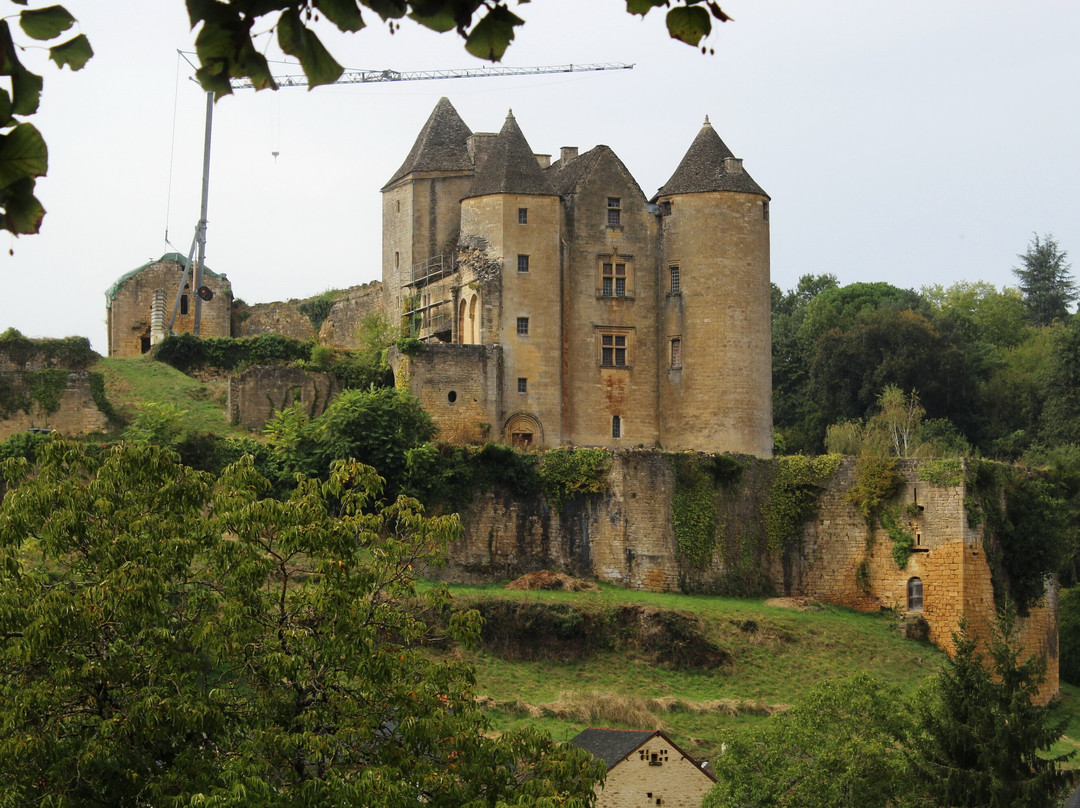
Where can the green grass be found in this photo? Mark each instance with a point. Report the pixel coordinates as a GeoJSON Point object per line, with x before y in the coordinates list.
{"type": "Point", "coordinates": [1066, 710]}
{"type": "Point", "coordinates": [777, 655]}
{"type": "Point", "coordinates": [129, 381]}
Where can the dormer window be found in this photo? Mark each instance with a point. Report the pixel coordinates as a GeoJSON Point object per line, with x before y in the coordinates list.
{"type": "Point", "coordinates": [614, 211]}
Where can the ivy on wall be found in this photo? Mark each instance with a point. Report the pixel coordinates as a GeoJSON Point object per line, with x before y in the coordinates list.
{"type": "Point", "coordinates": [693, 508]}
{"type": "Point", "coordinates": [796, 485]}
{"type": "Point", "coordinates": [566, 473]}
{"type": "Point", "coordinates": [69, 353]}
{"type": "Point", "coordinates": [945, 471]}
{"type": "Point", "coordinates": [903, 543]}
{"type": "Point", "coordinates": [318, 308]}
{"type": "Point", "coordinates": [1025, 534]}
{"type": "Point", "coordinates": [42, 387]}
{"type": "Point", "coordinates": [877, 480]}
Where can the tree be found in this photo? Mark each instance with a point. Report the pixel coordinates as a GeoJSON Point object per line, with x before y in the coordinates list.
{"type": "Point", "coordinates": [168, 638]}
{"type": "Point", "coordinates": [981, 742]}
{"type": "Point", "coordinates": [836, 749]}
{"type": "Point", "coordinates": [23, 154]}
{"type": "Point", "coordinates": [1045, 282]}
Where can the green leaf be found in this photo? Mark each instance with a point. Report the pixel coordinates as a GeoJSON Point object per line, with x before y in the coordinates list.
{"type": "Point", "coordinates": [299, 41]}
{"type": "Point", "coordinates": [442, 21]}
{"type": "Point", "coordinates": [388, 9]}
{"type": "Point", "coordinates": [45, 23]}
{"type": "Point", "coordinates": [491, 36]}
{"type": "Point", "coordinates": [74, 53]}
{"type": "Point", "coordinates": [22, 211]}
{"type": "Point", "coordinates": [689, 25]}
{"type": "Point", "coordinates": [5, 108]}
{"type": "Point", "coordinates": [26, 91]}
{"type": "Point", "coordinates": [643, 7]}
{"type": "Point", "coordinates": [23, 153]}
{"type": "Point", "coordinates": [345, 14]}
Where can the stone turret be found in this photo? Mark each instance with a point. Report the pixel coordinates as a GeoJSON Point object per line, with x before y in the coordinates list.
{"type": "Point", "coordinates": [421, 214]}
{"type": "Point", "coordinates": [511, 212]}
{"type": "Point", "coordinates": [716, 385]}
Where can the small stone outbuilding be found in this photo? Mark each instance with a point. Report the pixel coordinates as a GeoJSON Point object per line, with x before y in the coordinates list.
{"type": "Point", "coordinates": [141, 302]}
{"type": "Point", "coordinates": [645, 768]}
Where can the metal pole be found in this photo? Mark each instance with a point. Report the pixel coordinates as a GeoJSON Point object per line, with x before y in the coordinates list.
{"type": "Point", "coordinates": [200, 229]}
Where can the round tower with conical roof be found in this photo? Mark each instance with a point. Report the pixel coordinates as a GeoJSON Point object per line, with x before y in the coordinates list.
{"type": "Point", "coordinates": [714, 323]}
{"type": "Point", "coordinates": [511, 214]}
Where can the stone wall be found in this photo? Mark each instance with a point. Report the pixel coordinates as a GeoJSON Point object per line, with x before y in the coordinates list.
{"type": "Point", "coordinates": [257, 393]}
{"type": "Point", "coordinates": [339, 329]}
{"type": "Point", "coordinates": [77, 414]}
{"type": "Point", "coordinates": [625, 536]}
{"type": "Point", "coordinates": [676, 782]}
{"type": "Point", "coordinates": [457, 385]}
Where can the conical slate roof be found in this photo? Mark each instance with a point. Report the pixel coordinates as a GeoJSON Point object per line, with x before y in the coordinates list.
{"type": "Point", "coordinates": [510, 167]}
{"type": "Point", "coordinates": [703, 169]}
{"type": "Point", "coordinates": [442, 144]}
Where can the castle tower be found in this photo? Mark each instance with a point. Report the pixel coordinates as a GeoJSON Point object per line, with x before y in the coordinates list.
{"type": "Point", "coordinates": [714, 318]}
{"type": "Point", "coordinates": [510, 214]}
{"type": "Point", "coordinates": [421, 213]}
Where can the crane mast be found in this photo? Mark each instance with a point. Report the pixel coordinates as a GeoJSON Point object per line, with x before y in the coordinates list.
{"type": "Point", "coordinates": [349, 76]}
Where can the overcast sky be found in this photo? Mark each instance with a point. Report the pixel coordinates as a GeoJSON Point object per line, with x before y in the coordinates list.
{"type": "Point", "coordinates": [915, 143]}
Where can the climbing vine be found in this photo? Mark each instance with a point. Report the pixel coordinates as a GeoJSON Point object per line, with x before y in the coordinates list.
{"type": "Point", "coordinates": [43, 387]}
{"type": "Point", "coordinates": [318, 308]}
{"type": "Point", "coordinates": [693, 508]}
{"type": "Point", "coordinates": [70, 353]}
{"type": "Point", "coordinates": [944, 471]}
{"type": "Point", "coordinates": [903, 543]}
{"type": "Point", "coordinates": [1025, 530]}
{"type": "Point", "coordinates": [566, 473]}
{"type": "Point", "coordinates": [876, 482]}
{"type": "Point", "coordinates": [793, 495]}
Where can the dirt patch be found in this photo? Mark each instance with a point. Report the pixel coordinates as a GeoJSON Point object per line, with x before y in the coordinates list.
{"type": "Point", "coordinates": [798, 604]}
{"type": "Point", "coordinates": [550, 580]}
{"type": "Point", "coordinates": [522, 630]}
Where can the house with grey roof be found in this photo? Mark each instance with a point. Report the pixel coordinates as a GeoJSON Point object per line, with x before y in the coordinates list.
{"type": "Point", "coordinates": [645, 768]}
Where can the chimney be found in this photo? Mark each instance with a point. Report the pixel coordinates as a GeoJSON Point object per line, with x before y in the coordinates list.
{"type": "Point", "coordinates": [733, 165]}
{"type": "Point", "coordinates": [543, 159]}
{"type": "Point", "coordinates": [567, 153]}
{"type": "Point", "coordinates": [478, 145]}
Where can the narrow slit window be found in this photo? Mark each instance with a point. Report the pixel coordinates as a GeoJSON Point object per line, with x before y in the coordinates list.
{"type": "Point", "coordinates": [616, 430]}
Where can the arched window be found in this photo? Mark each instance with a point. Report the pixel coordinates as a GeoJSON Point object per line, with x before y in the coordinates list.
{"type": "Point", "coordinates": [914, 595]}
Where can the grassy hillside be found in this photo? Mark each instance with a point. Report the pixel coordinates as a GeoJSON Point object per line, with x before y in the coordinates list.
{"type": "Point", "coordinates": [774, 655]}
{"type": "Point", "coordinates": [130, 381]}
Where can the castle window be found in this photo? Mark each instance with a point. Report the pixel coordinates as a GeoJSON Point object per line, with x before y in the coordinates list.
{"type": "Point", "coordinates": [614, 211]}
{"type": "Point", "coordinates": [665, 207]}
{"type": "Point", "coordinates": [523, 384]}
{"type": "Point", "coordinates": [523, 215]}
{"type": "Point", "coordinates": [523, 326]}
{"type": "Point", "coordinates": [523, 263]}
{"type": "Point", "coordinates": [616, 276]}
{"type": "Point", "coordinates": [616, 428]}
{"type": "Point", "coordinates": [676, 279]}
{"type": "Point", "coordinates": [614, 349]}
{"type": "Point", "coordinates": [765, 210]}
{"type": "Point", "coordinates": [183, 304]}
{"type": "Point", "coordinates": [451, 396]}
{"type": "Point", "coordinates": [914, 595]}
{"type": "Point", "coordinates": [676, 352]}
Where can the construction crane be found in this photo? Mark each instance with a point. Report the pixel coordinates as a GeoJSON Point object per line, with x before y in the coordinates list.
{"type": "Point", "coordinates": [349, 76]}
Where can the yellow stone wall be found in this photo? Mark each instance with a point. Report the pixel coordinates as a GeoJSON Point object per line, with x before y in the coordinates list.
{"type": "Point", "coordinates": [78, 414]}
{"type": "Point", "coordinates": [534, 295]}
{"type": "Point", "coordinates": [634, 783]}
{"type": "Point", "coordinates": [129, 311]}
{"type": "Point", "coordinates": [594, 394]}
{"type": "Point", "coordinates": [721, 398]}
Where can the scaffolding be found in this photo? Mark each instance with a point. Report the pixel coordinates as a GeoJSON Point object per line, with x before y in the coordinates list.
{"type": "Point", "coordinates": [424, 315]}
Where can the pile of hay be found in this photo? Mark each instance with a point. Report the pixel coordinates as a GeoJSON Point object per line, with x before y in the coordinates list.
{"type": "Point", "coordinates": [549, 579]}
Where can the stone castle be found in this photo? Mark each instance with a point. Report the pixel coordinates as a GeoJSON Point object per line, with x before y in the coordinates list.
{"type": "Point", "coordinates": [559, 304]}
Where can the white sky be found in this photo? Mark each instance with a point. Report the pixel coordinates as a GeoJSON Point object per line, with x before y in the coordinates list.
{"type": "Point", "coordinates": [915, 143]}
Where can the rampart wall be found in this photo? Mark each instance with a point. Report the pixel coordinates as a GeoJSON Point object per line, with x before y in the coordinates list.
{"type": "Point", "coordinates": [257, 393]}
{"type": "Point", "coordinates": [76, 412]}
{"type": "Point", "coordinates": [339, 329]}
{"type": "Point", "coordinates": [625, 536]}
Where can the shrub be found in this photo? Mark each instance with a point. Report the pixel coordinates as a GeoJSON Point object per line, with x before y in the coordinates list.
{"type": "Point", "coordinates": [566, 473]}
